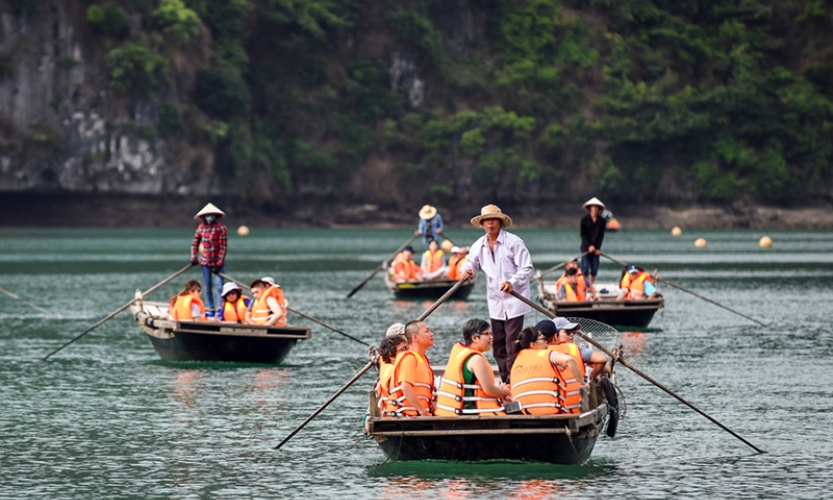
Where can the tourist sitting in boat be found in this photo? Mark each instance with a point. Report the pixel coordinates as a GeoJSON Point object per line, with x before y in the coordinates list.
{"type": "Point", "coordinates": [455, 262]}
{"type": "Point", "coordinates": [188, 305]}
{"type": "Point", "coordinates": [583, 284]}
{"type": "Point", "coordinates": [269, 306]}
{"type": "Point", "coordinates": [564, 331]}
{"type": "Point", "coordinates": [568, 288]}
{"type": "Point", "coordinates": [433, 262]}
{"type": "Point", "coordinates": [544, 381]}
{"type": "Point", "coordinates": [390, 347]}
{"type": "Point", "coordinates": [411, 388]}
{"type": "Point", "coordinates": [235, 305]}
{"type": "Point", "coordinates": [637, 284]}
{"type": "Point", "coordinates": [404, 268]}
{"type": "Point", "coordinates": [468, 386]}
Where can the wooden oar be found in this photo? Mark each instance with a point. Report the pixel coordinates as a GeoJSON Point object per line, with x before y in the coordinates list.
{"type": "Point", "coordinates": [638, 372]}
{"type": "Point", "coordinates": [369, 365]}
{"type": "Point", "coordinates": [17, 297]}
{"type": "Point", "coordinates": [380, 266]}
{"type": "Point", "coordinates": [338, 393]}
{"type": "Point", "coordinates": [679, 287]}
{"type": "Point", "coordinates": [122, 308]}
{"type": "Point", "coordinates": [442, 299]}
{"type": "Point", "coordinates": [299, 313]}
{"type": "Point", "coordinates": [559, 266]}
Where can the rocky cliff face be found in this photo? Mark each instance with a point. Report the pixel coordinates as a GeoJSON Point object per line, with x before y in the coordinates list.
{"type": "Point", "coordinates": [61, 127]}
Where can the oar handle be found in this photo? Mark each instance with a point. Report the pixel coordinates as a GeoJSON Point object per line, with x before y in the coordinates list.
{"type": "Point", "coordinates": [122, 308]}
{"type": "Point", "coordinates": [338, 393]}
{"type": "Point", "coordinates": [624, 363]}
{"type": "Point", "coordinates": [299, 313]}
{"type": "Point", "coordinates": [380, 266]}
{"type": "Point", "coordinates": [451, 291]}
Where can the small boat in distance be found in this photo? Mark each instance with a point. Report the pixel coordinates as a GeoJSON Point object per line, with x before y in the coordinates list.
{"type": "Point", "coordinates": [214, 341]}
{"type": "Point", "coordinates": [428, 289]}
{"type": "Point", "coordinates": [630, 313]}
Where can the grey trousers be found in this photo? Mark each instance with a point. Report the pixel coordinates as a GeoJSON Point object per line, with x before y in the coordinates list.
{"type": "Point", "coordinates": [505, 334]}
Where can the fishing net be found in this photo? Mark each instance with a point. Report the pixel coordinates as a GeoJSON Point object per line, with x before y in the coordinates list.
{"type": "Point", "coordinates": [598, 331]}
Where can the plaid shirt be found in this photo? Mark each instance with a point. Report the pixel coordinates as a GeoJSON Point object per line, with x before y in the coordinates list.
{"type": "Point", "coordinates": [214, 239]}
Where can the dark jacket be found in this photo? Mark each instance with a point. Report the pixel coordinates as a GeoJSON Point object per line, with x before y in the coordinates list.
{"type": "Point", "coordinates": [592, 233]}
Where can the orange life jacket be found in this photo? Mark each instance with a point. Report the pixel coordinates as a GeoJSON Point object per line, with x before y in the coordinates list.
{"type": "Point", "coordinates": [423, 386]}
{"type": "Point", "coordinates": [572, 295]}
{"type": "Point", "coordinates": [581, 287]}
{"type": "Point", "coordinates": [235, 312]}
{"type": "Point", "coordinates": [432, 262]}
{"type": "Point", "coordinates": [541, 387]}
{"type": "Point", "coordinates": [635, 288]}
{"type": "Point", "coordinates": [454, 266]}
{"type": "Point", "coordinates": [385, 375]}
{"type": "Point", "coordinates": [451, 395]}
{"type": "Point", "coordinates": [182, 308]}
{"type": "Point", "coordinates": [260, 309]}
{"type": "Point", "coordinates": [406, 270]}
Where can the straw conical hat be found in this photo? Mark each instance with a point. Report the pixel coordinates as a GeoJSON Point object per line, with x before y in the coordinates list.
{"type": "Point", "coordinates": [593, 201]}
{"type": "Point", "coordinates": [427, 212]}
{"type": "Point", "coordinates": [210, 209]}
{"type": "Point", "coordinates": [491, 212]}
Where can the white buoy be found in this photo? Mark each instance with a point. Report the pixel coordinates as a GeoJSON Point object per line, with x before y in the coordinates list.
{"type": "Point", "coordinates": [676, 231]}
{"type": "Point", "coordinates": [765, 242]}
{"type": "Point", "coordinates": [446, 246]}
{"type": "Point", "coordinates": [243, 230]}
{"type": "Point", "coordinates": [701, 243]}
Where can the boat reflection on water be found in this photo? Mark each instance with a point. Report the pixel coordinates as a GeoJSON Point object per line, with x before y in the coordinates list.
{"type": "Point", "coordinates": [633, 343]}
{"type": "Point", "coordinates": [185, 387]}
{"type": "Point", "coordinates": [269, 385]}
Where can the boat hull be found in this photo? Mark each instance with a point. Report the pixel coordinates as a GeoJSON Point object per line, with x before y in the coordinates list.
{"type": "Point", "coordinates": [428, 289]}
{"type": "Point", "coordinates": [186, 346]}
{"type": "Point", "coordinates": [550, 439]}
{"type": "Point", "coordinates": [637, 315]}
{"type": "Point", "coordinates": [214, 341]}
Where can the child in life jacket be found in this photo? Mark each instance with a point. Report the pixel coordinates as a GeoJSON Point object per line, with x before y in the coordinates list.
{"type": "Point", "coordinates": [235, 305]}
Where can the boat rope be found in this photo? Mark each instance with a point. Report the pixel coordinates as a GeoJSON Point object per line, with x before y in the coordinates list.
{"type": "Point", "coordinates": [573, 446]}
{"type": "Point", "coordinates": [623, 406]}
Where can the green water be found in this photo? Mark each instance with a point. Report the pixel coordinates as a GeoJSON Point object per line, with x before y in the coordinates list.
{"type": "Point", "coordinates": [106, 419]}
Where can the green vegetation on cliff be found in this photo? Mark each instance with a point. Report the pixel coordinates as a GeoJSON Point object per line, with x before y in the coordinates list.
{"type": "Point", "coordinates": [646, 100]}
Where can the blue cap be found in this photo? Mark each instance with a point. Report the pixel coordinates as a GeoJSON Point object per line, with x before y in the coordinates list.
{"type": "Point", "coordinates": [547, 328]}
{"type": "Point", "coordinates": [408, 249]}
{"type": "Point", "coordinates": [633, 269]}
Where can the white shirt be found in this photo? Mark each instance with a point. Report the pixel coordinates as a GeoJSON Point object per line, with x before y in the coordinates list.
{"type": "Point", "coordinates": [510, 262]}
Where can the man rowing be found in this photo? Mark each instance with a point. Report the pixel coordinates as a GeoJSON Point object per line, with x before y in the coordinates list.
{"type": "Point", "coordinates": [430, 225]}
{"type": "Point", "coordinates": [505, 260]}
{"type": "Point", "coordinates": [213, 236]}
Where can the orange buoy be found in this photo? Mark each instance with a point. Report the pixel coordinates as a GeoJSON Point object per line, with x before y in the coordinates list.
{"type": "Point", "coordinates": [701, 243]}
{"type": "Point", "coordinates": [243, 230]}
{"type": "Point", "coordinates": [613, 225]}
{"type": "Point", "coordinates": [765, 242]}
{"type": "Point", "coordinates": [676, 231]}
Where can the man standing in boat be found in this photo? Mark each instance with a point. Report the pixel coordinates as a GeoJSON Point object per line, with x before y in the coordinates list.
{"type": "Point", "coordinates": [593, 227]}
{"type": "Point", "coordinates": [214, 239]}
{"type": "Point", "coordinates": [505, 260]}
{"type": "Point", "coordinates": [430, 225]}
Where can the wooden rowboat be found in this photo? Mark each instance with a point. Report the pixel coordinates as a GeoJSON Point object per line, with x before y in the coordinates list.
{"type": "Point", "coordinates": [630, 313]}
{"type": "Point", "coordinates": [555, 439]}
{"type": "Point", "coordinates": [214, 341]}
{"type": "Point", "coordinates": [430, 289]}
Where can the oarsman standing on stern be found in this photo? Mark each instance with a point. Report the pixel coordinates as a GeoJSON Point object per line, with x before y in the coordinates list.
{"type": "Point", "coordinates": [214, 239]}
{"type": "Point", "coordinates": [505, 260]}
{"type": "Point", "coordinates": [430, 225]}
{"type": "Point", "coordinates": [593, 227]}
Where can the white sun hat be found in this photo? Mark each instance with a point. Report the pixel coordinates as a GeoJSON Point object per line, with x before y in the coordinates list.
{"type": "Point", "coordinates": [210, 209]}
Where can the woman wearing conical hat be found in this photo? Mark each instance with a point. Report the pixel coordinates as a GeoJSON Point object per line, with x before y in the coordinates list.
{"type": "Point", "coordinates": [592, 235]}
{"type": "Point", "coordinates": [505, 260]}
{"type": "Point", "coordinates": [214, 239]}
{"type": "Point", "coordinates": [430, 225]}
